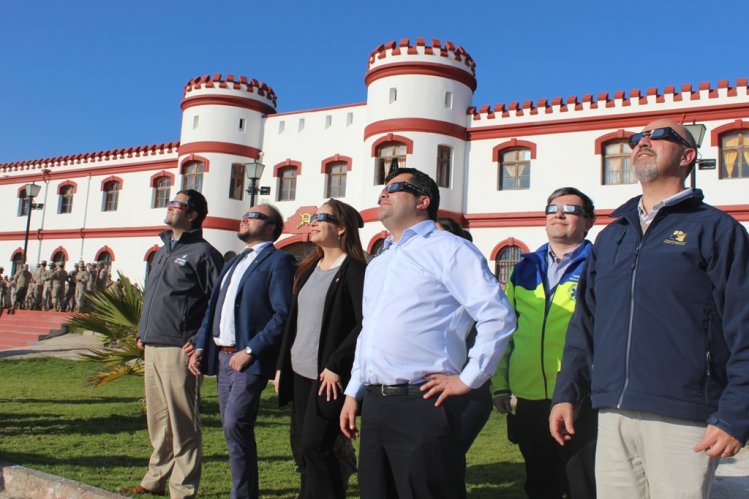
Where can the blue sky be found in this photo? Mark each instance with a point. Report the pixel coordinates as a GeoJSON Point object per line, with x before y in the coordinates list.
{"type": "Point", "coordinates": [87, 75]}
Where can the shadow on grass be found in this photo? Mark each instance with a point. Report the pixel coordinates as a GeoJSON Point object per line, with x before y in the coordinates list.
{"type": "Point", "coordinates": [495, 480]}
{"type": "Point", "coordinates": [91, 462]}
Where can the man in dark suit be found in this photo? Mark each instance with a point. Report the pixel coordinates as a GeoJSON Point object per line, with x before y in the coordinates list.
{"type": "Point", "coordinates": [241, 334]}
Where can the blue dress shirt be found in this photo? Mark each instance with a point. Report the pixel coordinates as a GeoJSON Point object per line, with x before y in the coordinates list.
{"type": "Point", "coordinates": [421, 297]}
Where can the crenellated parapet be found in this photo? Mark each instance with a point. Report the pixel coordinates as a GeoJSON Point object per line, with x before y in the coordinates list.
{"type": "Point", "coordinates": [424, 58]}
{"type": "Point", "coordinates": [148, 151]}
{"type": "Point", "coordinates": [620, 100]}
{"type": "Point", "coordinates": [232, 90]}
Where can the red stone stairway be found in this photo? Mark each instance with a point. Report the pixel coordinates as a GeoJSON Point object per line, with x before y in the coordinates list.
{"type": "Point", "coordinates": [28, 326]}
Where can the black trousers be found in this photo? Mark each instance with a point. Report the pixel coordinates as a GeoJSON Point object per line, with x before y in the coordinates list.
{"type": "Point", "coordinates": [316, 438]}
{"type": "Point", "coordinates": [410, 449]}
{"type": "Point", "coordinates": [552, 470]}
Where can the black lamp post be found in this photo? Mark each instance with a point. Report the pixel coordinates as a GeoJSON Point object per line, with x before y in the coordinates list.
{"type": "Point", "coordinates": [254, 171]}
{"type": "Point", "coordinates": [32, 191]}
{"type": "Point", "coordinates": [698, 132]}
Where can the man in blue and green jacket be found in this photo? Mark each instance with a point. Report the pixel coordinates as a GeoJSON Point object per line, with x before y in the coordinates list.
{"type": "Point", "coordinates": [542, 291]}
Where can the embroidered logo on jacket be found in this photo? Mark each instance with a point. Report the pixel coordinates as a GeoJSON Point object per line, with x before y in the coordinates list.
{"type": "Point", "coordinates": [181, 260]}
{"type": "Point", "coordinates": [678, 237]}
{"type": "Point", "coordinates": [573, 292]}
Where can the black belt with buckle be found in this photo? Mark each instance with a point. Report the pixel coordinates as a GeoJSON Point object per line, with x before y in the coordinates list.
{"type": "Point", "coordinates": [400, 390]}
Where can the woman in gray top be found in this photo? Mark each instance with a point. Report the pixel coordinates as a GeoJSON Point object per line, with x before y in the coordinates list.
{"type": "Point", "coordinates": [319, 342]}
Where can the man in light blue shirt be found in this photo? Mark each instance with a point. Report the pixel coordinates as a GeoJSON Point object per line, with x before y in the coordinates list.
{"type": "Point", "coordinates": [421, 296]}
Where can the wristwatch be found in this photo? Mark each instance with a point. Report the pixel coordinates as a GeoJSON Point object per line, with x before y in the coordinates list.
{"type": "Point", "coordinates": [248, 351]}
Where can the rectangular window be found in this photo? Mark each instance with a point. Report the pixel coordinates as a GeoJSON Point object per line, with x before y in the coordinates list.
{"type": "Point", "coordinates": [23, 207]}
{"type": "Point", "coordinates": [515, 170]}
{"type": "Point", "coordinates": [287, 184]}
{"type": "Point", "coordinates": [328, 121]}
{"type": "Point", "coordinates": [449, 100]}
{"type": "Point", "coordinates": [301, 124]}
{"type": "Point", "coordinates": [236, 183]}
{"type": "Point", "coordinates": [336, 187]}
{"type": "Point", "coordinates": [65, 204]}
{"type": "Point", "coordinates": [161, 191]}
{"type": "Point", "coordinates": [241, 124]}
{"type": "Point", "coordinates": [393, 95]}
{"type": "Point", "coordinates": [110, 196]}
{"type": "Point", "coordinates": [616, 169]}
{"type": "Point", "coordinates": [195, 121]}
{"type": "Point", "coordinates": [349, 118]}
{"type": "Point", "coordinates": [281, 126]}
{"type": "Point", "coordinates": [444, 156]}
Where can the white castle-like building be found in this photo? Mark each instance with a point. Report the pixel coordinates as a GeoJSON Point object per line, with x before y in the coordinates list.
{"type": "Point", "coordinates": [495, 165]}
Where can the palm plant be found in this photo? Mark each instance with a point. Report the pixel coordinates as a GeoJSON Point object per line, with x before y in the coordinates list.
{"type": "Point", "coordinates": [114, 315]}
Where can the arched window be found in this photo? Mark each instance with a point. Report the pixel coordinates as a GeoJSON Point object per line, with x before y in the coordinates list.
{"type": "Point", "coordinates": [287, 183]}
{"type": "Point", "coordinates": [734, 154]}
{"type": "Point", "coordinates": [236, 183]}
{"type": "Point", "coordinates": [616, 168]}
{"type": "Point", "coordinates": [162, 190]}
{"type": "Point", "coordinates": [299, 250]}
{"type": "Point", "coordinates": [59, 257]}
{"type": "Point", "coordinates": [104, 256]}
{"type": "Point", "coordinates": [16, 263]}
{"type": "Point", "coordinates": [444, 162]}
{"type": "Point", "coordinates": [389, 156]}
{"type": "Point", "coordinates": [505, 262]}
{"type": "Point", "coordinates": [65, 202]}
{"type": "Point", "coordinates": [192, 176]}
{"type": "Point", "coordinates": [336, 182]}
{"type": "Point", "coordinates": [515, 169]}
{"type": "Point", "coordinates": [110, 195]}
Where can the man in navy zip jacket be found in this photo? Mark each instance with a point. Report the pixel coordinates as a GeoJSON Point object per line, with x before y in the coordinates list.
{"type": "Point", "coordinates": [659, 336]}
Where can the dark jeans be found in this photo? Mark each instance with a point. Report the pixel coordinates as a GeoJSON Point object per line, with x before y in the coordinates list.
{"type": "Point", "coordinates": [239, 399]}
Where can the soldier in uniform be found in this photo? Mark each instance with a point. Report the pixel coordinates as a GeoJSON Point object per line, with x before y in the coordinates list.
{"type": "Point", "coordinates": [47, 290]}
{"type": "Point", "coordinates": [91, 282]}
{"type": "Point", "coordinates": [37, 285]}
{"type": "Point", "coordinates": [59, 276]}
{"type": "Point", "coordinates": [81, 285]}
{"type": "Point", "coordinates": [22, 279]}
{"type": "Point", "coordinates": [68, 303]}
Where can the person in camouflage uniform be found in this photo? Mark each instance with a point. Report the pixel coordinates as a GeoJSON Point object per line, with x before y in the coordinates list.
{"type": "Point", "coordinates": [82, 279]}
{"type": "Point", "coordinates": [59, 276]}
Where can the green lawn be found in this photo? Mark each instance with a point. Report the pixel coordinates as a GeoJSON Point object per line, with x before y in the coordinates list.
{"type": "Point", "coordinates": [51, 421]}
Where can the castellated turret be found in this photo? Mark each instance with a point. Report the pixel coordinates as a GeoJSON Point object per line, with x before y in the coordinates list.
{"type": "Point", "coordinates": [417, 97]}
{"type": "Point", "coordinates": [222, 128]}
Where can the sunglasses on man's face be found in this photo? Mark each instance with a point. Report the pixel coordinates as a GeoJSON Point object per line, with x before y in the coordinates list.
{"type": "Point", "coordinates": [324, 217]}
{"type": "Point", "coordinates": [404, 186]}
{"type": "Point", "coordinates": [254, 214]}
{"type": "Point", "coordinates": [177, 205]}
{"type": "Point", "coordinates": [665, 133]}
{"type": "Point", "coordinates": [567, 209]}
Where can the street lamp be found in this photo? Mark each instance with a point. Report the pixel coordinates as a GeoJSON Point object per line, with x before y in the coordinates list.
{"type": "Point", "coordinates": [31, 191]}
{"type": "Point", "coordinates": [698, 132]}
{"type": "Point", "coordinates": [254, 171]}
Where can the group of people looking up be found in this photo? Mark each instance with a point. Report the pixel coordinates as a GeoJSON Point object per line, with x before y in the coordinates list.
{"type": "Point", "coordinates": [52, 287]}
{"type": "Point", "coordinates": [623, 365]}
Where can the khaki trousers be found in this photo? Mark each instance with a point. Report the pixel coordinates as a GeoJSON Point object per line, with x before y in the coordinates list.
{"type": "Point", "coordinates": [641, 455]}
{"type": "Point", "coordinates": [173, 422]}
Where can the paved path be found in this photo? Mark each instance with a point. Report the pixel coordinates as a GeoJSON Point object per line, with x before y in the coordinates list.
{"type": "Point", "coordinates": [732, 480]}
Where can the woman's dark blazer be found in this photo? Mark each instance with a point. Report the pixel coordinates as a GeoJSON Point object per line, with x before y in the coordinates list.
{"type": "Point", "coordinates": [341, 324]}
